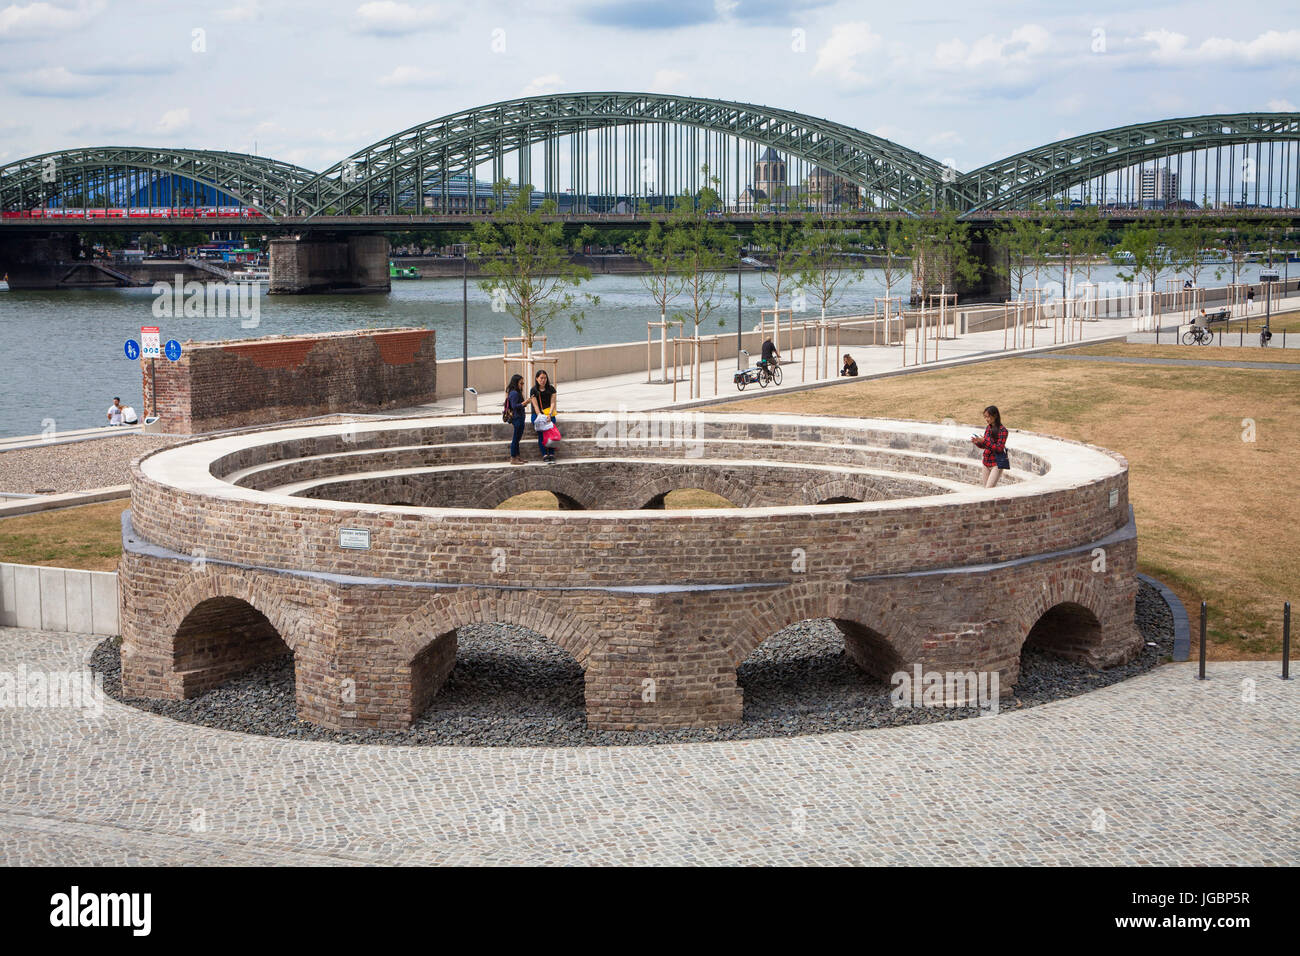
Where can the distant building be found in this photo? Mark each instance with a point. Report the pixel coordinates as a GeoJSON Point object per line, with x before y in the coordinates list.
{"type": "Point", "coordinates": [825, 188]}
{"type": "Point", "coordinates": [1157, 188]}
{"type": "Point", "coordinates": [769, 187]}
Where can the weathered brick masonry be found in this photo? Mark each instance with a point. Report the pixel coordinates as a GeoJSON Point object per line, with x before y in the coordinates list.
{"type": "Point", "coordinates": [218, 385]}
{"type": "Point", "coordinates": [659, 607]}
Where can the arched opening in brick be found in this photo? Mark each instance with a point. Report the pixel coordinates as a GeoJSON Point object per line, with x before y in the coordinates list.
{"type": "Point", "coordinates": [497, 681]}
{"type": "Point", "coordinates": [839, 500]}
{"type": "Point", "coordinates": [1067, 630]}
{"type": "Point", "coordinates": [541, 501]}
{"type": "Point", "coordinates": [222, 638]}
{"type": "Point", "coordinates": [818, 665]}
{"type": "Point", "coordinates": [679, 498]}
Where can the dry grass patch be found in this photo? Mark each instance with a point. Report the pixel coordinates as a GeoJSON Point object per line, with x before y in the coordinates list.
{"type": "Point", "coordinates": [1194, 352]}
{"type": "Point", "coordinates": [1216, 514]}
{"type": "Point", "coordinates": [88, 537]}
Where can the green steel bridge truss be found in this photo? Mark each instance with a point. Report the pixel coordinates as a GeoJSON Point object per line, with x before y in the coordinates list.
{"type": "Point", "coordinates": [254, 181]}
{"type": "Point", "coordinates": [398, 172]}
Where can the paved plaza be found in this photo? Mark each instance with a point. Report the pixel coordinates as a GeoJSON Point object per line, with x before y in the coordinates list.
{"type": "Point", "coordinates": [1160, 769]}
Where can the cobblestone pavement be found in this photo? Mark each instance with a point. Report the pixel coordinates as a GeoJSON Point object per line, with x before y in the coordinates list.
{"type": "Point", "coordinates": [1159, 769]}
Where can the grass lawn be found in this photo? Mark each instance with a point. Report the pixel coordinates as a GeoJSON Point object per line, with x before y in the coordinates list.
{"type": "Point", "coordinates": [1217, 515]}
{"type": "Point", "coordinates": [1199, 352]}
{"type": "Point", "coordinates": [681, 498]}
{"type": "Point", "coordinates": [87, 537]}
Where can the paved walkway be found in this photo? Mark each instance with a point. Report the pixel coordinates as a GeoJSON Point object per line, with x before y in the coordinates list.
{"type": "Point", "coordinates": [1205, 363]}
{"type": "Point", "coordinates": [1161, 769]}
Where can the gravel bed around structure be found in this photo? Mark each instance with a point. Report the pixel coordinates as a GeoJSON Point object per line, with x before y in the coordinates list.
{"type": "Point", "coordinates": [77, 465]}
{"type": "Point", "coordinates": [511, 687]}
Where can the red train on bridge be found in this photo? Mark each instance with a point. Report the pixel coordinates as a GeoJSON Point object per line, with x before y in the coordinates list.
{"type": "Point", "coordinates": [140, 212]}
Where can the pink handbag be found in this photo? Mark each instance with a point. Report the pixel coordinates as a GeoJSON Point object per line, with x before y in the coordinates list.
{"type": "Point", "coordinates": [551, 436]}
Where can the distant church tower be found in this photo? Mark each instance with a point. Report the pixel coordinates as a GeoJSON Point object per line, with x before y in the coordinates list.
{"type": "Point", "coordinates": [769, 175]}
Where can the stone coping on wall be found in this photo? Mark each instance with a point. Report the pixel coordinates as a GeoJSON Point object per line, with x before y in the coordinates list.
{"type": "Point", "coordinates": [188, 466]}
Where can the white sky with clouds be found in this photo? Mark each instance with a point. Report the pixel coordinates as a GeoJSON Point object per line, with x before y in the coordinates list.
{"type": "Point", "coordinates": [311, 82]}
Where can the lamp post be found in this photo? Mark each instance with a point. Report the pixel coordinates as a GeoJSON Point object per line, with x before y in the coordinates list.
{"type": "Point", "coordinates": [464, 329]}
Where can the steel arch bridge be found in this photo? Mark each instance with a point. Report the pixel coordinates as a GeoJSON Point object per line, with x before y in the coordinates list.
{"type": "Point", "coordinates": [460, 142]}
{"type": "Point", "coordinates": [401, 171]}
{"type": "Point", "coordinates": [1038, 174]}
{"type": "Point", "coordinates": [257, 182]}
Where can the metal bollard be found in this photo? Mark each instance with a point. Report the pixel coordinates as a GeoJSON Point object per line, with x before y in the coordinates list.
{"type": "Point", "coordinates": [1202, 674]}
{"type": "Point", "coordinates": [1286, 641]}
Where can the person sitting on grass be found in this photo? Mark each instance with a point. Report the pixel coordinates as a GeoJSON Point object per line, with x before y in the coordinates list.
{"type": "Point", "coordinates": [850, 366]}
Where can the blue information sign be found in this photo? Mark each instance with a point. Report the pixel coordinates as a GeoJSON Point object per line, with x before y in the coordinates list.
{"type": "Point", "coordinates": [132, 349]}
{"type": "Point", "coordinates": [172, 350]}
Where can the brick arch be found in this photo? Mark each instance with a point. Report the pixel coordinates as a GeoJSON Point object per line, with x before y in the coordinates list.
{"type": "Point", "coordinates": [704, 478]}
{"type": "Point", "coordinates": [447, 612]}
{"type": "Point", "coordinates": [533, 479]}
{"type": "Point", "coordinates": [835, 486]}
{"type": "Point", "coordinates": [873, 642]}
{"type": "Point", "coordinates": [1075, 588]}
{"type": "Point", "coordinates": [289, 622]}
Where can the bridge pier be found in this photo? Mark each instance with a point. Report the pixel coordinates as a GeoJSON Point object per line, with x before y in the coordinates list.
{"type": "Point", "coordinates": [327, 264]}
{"type": "Point", "coordinates": [43, 261]}
{"type": "Point", "coordinates": [931, 277]}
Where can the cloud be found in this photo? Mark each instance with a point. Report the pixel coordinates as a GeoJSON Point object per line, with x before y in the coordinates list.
{"type": "Point", "coordinates": [412, 77]}
{"type": "Point", "coordinates": [667, 81]}
{"type": "Point", "coordinates": [839, 55]}
{"type": "Point", "coordinates": [385, 18]}
{"type": "Point", "coordinates": [242, 12]}
{"type": "Point", "coordinates": [672, 14]}
{"type": "Point", "coordinates": [1281, 106]}
{"type": "Point", "coordinates": [542, 85]}
{"type": "Point", "coordinates": [59, 81]}
{"type": "Point", "coordinates": [129, 66]}
{"type": "Point", "coordinates": [1018, 49]}
{"type": "Point", "coordinates": [945, 138]}
{"type": "Point", "coordinates": [174, 120]}
{"type": "Point", "coordinates": [1170, 49]}
{"type": "Point", "coordinates": [32, 20]}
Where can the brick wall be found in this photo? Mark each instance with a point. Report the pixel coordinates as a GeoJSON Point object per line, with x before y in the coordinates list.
{"type": "Point", "coordinates": [659, 608]}
{"type": "Point", "coordinates": [218, 385]}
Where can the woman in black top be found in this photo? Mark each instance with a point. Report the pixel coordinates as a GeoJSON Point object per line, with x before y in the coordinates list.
{"type": "Point", "coordinates": [850, 366]}
{"type": "Point", "coordinates": [515, 402]}
{"type": "Point", "coordinates": [541, 397]}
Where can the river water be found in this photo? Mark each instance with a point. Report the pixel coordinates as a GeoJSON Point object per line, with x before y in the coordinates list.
{"type": "Point", "coordinates": [64, 357]}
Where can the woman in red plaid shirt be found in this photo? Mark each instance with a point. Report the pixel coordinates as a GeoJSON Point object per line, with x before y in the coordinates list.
{"type": "Point", "coordinates": [994, 444]}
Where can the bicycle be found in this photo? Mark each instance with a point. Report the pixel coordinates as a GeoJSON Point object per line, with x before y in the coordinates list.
{"type": "Point", "coordinates": [1198, 335]}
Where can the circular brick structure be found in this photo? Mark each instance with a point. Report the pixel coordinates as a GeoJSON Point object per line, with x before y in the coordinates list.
{"type": "Point", "coordinates": [361, 549]}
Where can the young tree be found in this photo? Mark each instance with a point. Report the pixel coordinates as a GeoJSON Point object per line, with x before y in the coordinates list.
{"type": "Point", "coordinates": [663, 280]}
{"type": "Point", "coordinates": [702, 249]}
{"type": "Point", "coordinates": [893, 248]}
{"type": "Point", "coordinates": [943, 243]}
{"type": "Point", "coordinates": [527, 267]}
{"type": "Point", "coordinates": [1023, 241]}
{"type": "Point", "coordinates": [1151, 255]}
{"type": "Point", "coordinates": [1240, 238]}
{"type": "Point", "coordinates": [780, 242]}
{"type": "Point", "coordinates": [1190, 242]}
{"type": "Point", "coordinates": [827, 240]}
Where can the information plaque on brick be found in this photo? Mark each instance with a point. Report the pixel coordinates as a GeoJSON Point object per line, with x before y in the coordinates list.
{"type": "Point", "coordinates": [357, 539]}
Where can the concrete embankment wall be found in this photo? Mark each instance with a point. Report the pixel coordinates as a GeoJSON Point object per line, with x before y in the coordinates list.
{"type": "Point", "coordinates": [58, 599]}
